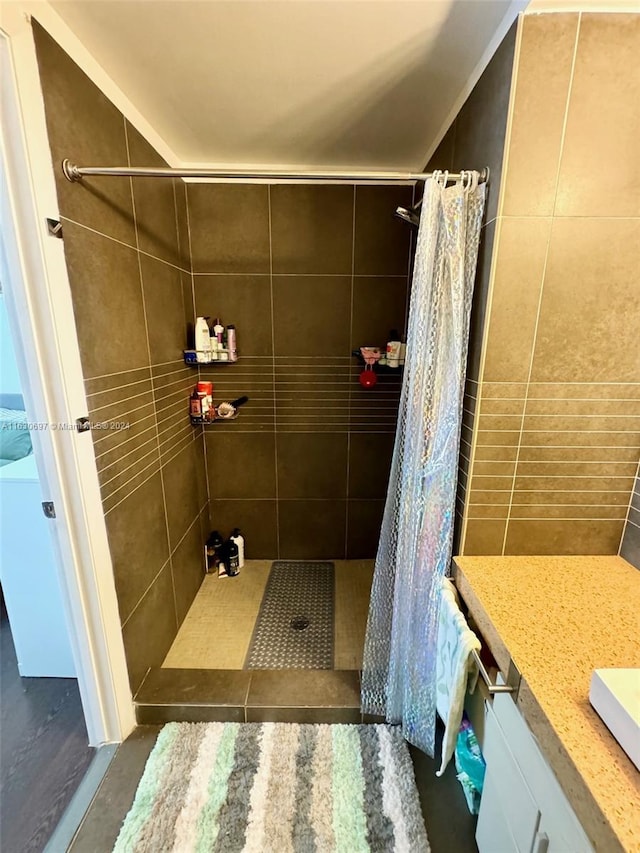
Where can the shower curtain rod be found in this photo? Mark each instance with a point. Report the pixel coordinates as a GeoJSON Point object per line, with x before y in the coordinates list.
{"type": "Point", "coordinates": [75, 173]}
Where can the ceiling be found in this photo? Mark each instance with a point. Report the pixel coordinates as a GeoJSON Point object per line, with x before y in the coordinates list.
{"type": "Point", "coordinates": [309, 83]}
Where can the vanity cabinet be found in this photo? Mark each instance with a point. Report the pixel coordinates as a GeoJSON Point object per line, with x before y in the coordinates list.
{"type": "Point", "coordinates": [523, 808]}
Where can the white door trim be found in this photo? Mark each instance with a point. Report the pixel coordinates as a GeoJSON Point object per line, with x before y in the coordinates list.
{"type": "Point", "coordinates": [40, 309]}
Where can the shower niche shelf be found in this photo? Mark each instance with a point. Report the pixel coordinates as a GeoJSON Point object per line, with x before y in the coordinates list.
{"type": "Point", "coordinates": [377, 367]}
{"type": "Point", "coordinates": [191, 359]}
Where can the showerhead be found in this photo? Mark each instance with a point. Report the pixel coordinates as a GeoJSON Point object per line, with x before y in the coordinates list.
{"type": "Point", "coordinates": [408, 215]}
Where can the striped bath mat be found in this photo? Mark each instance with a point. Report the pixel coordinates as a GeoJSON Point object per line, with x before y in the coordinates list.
{"type": "Point", "coordinates": [276, 788]}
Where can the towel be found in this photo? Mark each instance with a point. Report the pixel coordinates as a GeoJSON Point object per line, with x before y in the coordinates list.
{"type": "Point", "coordinates": [456, 670]}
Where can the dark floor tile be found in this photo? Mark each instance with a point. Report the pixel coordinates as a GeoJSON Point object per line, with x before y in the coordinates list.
{"type": "Point", "coordinates": [304, 688]}
{"type": "Point", "coordinates": [450, 827]}
{"type": "Point", "coordinates": [311, 229]}
{"type": "Point", "coordinates": [303, 715]}
{"type": "Point", "coordinates": [187, 565]}
{"type": "Point", "coordinates": [363, 528]}
{"type": "Point", "coordinates": [379, 306]}
{"type": "Point", "coordinates": [312, 465]}
{"type": "Point", "coordinates": [165, 686]}
{"type": "Point", "coordinates": [86, 127]}
{"type": "Point", "coordinates": [369, 464]}
{"type": "Point", "coordinates": [164, 309]}
{"type": "Point", "coordinates": [137, 534]}
{"type": "Point", "coordinates": [229, 227]}
{"type": "Point", "coordinates": [241, 465]}
{"type": "Point", "coordinates": [311, 315]}
{"type": "Point", "coordinates": [151, 629]}
{"type": "Point", "coordinates": [256, 519]}
{"type": "Point", "coordinates": [102, 822]}
{"type": "Point", "coordinates": [158, 714]}
{"type": "Point", "coordinates": [312, 530]}
{"type": "Point", "coordinates": [154, 199]}
{"type": "Point", "coordinates": [107, 302]}
{"type": "Point", "coordinates": [382, 240]}
{"type": "Point", "coordinates": [244, 301]}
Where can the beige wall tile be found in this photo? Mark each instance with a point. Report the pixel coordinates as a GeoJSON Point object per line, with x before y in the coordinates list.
{"type": "Point", "coordinates": [579, 454]}
{"type": "Point", "coordinates": [602, 498]}
{"type": "Point", "coordinates": [506, 438]}
{"type": "Point", "coordinates": [603, 122]}
{"type": "Point", "coordinates": [585, 484]}
{"type": "Point", "coordinates": [585, 390]}
{"type": "Point", "coordinates": [576, 469]}
{"type": "Point", "coordinates": [581, 439]}
{"type": "Point", "coordinates": [494, 468]}
{"type": "Point", "coordinates": [483, 537]}
{"type": "Point", "coordinates": [502, 407]}
{"type": "Point", "coordinates": [499, 422]}
{"type": "Point", "coordinates": [489, 484]}
{"type": "Point", "coordinates": [504, 390]}
{"type": "Point", "coordinates": [498, 454]}
{"type": "Point", "coordinates": [568, 423]}
{"type": "Point", "coordinates": [487, 511]}
{"type": "Point", "coordinates": [589, 406]}
{"type": "Point", "coordinates": [590, 312]}
{"type": "Point", "coordinates": [519, 268]}
{"type": "Point", "coordinates": [549, 511]}
{"type": "Point", "coordinates": [542, 86]}
{"type": "Point", "coordinates": [563, 537]}
{"type": "Point", "coordinates": [480, 496]}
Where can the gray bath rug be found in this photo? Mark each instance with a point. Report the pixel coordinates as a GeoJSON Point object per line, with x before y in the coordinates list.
{"type": "Point", "coordinates": [273, 787]}
{"type": "Point", "coordinates": [294, 628]}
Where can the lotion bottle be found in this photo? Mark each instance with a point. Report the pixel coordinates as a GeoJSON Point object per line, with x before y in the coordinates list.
{"type": "Point", "coordinates": [238, 538]}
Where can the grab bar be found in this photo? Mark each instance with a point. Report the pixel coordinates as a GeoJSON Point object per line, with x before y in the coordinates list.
{"type": "Point", "coordinates": [491, 687]}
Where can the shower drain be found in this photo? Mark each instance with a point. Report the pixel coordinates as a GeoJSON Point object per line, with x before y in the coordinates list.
{"type": "Point", "coordinates": [299, 624]}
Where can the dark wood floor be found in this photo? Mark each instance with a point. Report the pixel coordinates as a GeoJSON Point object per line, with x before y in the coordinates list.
{"type": "Point", "coordinates": [43, 750]}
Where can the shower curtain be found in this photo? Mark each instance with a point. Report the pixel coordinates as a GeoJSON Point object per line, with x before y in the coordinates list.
{"type": "Point", "coordinates": [414, 552]}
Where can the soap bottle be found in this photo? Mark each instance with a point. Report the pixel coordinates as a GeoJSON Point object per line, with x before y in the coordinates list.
{"type": "Point", "coordinates": [195, 405]}
{"type": "Point", "coordinates": [211, 551]}
{"type": "Point", "coordinates": [238, 538]}
{"type": "Point", "coordinates": [202, 341]}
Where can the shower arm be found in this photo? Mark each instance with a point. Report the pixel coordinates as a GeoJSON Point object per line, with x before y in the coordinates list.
{"type": "Point", "coordinates": [73, 173]}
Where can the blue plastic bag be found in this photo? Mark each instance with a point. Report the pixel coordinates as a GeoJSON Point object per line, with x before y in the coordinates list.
{"type": "Point", "coordinates": [470, 765]}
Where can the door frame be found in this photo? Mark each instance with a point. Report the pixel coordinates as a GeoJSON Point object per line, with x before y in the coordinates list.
{"type": "Point", "coordinates": [40, 309]}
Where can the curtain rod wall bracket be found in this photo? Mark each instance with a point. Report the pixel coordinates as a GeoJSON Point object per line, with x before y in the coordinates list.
{"type": "Point", "coordinates": [74, 173]}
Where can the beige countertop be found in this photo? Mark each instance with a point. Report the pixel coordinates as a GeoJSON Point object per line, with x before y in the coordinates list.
{"type": "Point", "coordinates": [559, 618]}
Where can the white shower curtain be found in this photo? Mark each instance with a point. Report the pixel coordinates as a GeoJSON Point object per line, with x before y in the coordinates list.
{"type": "Point", "coordinates": [414, 552]}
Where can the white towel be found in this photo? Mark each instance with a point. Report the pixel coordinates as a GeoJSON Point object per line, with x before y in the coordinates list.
{"type": "Point", "coordinates": [456, 670]}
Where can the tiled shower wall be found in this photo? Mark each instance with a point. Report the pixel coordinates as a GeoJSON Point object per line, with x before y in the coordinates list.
{"type": "Point", "coordinates": [557, 436]}
{"type": "Point", "coordinates": [306, 273]}
{"type": "Point", "coordinates": [126, 247]}
{"type": "Point", "coordinates": [476, 139]}
{"type": "Point", "coordinates": [630, 545]}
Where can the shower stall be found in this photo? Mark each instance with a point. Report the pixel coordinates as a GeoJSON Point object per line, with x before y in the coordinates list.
{"type": "Point", "coordinates": [309, 268]}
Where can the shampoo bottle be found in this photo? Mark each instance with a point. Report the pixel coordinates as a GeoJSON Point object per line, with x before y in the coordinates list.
{"type": "Point", "coordinates": [233, 566]}
{"type": "Point", "coordinates": [238, 538]}
{"type": "Point", "coordinates": [203, 340]}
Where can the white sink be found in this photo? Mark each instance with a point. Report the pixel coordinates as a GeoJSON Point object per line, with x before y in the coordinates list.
{"type": "Point", "coordinates": [615, 694]}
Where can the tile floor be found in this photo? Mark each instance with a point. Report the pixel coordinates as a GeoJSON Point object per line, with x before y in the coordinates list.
{"type": "Point", "coordinates": [217, 629]}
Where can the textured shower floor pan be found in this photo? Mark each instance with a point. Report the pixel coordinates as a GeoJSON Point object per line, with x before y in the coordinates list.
{"type": "Point", "coordinates": [217, 631]}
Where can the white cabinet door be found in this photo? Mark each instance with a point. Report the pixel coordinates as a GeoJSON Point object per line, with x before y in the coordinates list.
{"type": "Point", "coordinates": [558, 823]}
{"type": "Point", "coordinates": [509, 815]}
